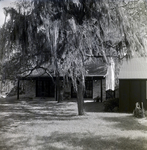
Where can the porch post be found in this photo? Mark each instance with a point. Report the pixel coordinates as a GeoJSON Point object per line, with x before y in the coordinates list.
{"type": "Point", "coordinates": [56, 93]}
{"type": "Point", "coordinates": [101, 91]}
{"type": "Point", "coordinates": [18, 89]}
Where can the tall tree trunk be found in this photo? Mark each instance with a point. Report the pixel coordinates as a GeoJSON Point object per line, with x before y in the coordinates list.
{"type": "Point", "coordinates": [18, 89]}
{"type": "Point", "coordinates": [80, 99]}
{"type": "Point", "coordinates": [58, 97]}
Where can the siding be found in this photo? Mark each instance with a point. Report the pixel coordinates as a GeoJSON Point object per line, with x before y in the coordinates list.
{"type": "Point", "coordinates": [30, 88]}
{"type": "Point", "coordinates": [97, 89]}
{"type": "Point", "coordinates": [131, 91]}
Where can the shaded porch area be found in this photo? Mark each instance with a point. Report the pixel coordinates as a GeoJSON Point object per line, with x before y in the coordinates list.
{"type": "Point", "coordinates": [46, 87]}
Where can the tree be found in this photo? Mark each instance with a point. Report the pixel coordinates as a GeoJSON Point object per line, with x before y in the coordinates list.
{"type": "Point", "coordinates": [23, 45]}
{"type": "Point", "coordinates": [68, 34]}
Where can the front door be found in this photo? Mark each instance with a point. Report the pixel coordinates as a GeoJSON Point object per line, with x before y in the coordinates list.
{"type": "Point", "coordinates": [45, 88]}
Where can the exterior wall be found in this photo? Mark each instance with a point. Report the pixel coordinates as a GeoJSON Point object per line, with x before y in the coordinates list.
{"type": "Point", "coordinates": [30, 88]}
{"type": "Point", "coordinates": [67, 91]}
{"type": "Point", "coordinates": [130, 92]}
{"type": "Point", "coordinates": [97, 89]}
{"type": "Point", "coordinates": [104, 89]}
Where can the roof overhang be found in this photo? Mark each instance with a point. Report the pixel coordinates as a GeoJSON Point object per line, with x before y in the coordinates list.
{"type": "Point", "coordinates": [49, 77]}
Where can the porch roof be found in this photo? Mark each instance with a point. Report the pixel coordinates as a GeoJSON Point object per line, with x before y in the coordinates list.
{"type": "Point", "coordinates": [92, 70]}
{"type": "Point", "coordinates": [96, 70]}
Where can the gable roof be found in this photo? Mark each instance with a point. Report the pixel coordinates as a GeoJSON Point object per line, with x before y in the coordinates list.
{"type": "Point", "coordinates": [135, 68]}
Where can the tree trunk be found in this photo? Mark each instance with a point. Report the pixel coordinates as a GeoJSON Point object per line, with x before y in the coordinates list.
{"type": "Point", "coordinates": [80, 99]}
{"type": "Point", "coordinates": [18, 89]}
{"type": "Point", "coordinates": [58, 97]}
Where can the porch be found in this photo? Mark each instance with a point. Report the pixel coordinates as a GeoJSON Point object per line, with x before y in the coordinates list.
{"type": "Point", "coordinates": [45, 87]}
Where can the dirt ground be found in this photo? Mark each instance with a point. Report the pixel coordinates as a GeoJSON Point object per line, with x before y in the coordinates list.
{"type": "Point", "coordinates": [41, 124]}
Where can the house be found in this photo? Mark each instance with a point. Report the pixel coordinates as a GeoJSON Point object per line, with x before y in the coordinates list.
{"type": "Point", "coordinates": [133, 84]}
{"type": "Point", "coordinates": [40, 84]}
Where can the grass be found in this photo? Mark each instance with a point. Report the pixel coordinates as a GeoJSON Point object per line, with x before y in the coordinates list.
{"type": "Point", "coordinates": [48, 125]}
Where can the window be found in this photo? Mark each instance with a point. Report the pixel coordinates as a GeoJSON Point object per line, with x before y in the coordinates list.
{"type": "Point", "coordinates": [88, 89]}
{"type": "Point", "coordinates": [45, 88]}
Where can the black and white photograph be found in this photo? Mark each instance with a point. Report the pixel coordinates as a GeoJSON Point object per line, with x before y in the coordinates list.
{"type": "Point", "coordinates": [73, 74]}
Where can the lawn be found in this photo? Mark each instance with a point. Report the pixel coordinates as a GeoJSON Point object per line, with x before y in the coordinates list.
{"type": "Point", "coordinates": [47, 125]}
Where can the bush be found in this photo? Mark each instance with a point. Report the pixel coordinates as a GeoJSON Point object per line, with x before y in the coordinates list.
{"type": "Point", "coordinates": [14, 91]}
{"type": "Point", "coordinates": [111, 105]}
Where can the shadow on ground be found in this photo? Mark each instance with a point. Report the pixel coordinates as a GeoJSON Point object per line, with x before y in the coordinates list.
{"type": "Point", "coordinates": [26, 110]}
{"type": "Point", "coordinates": [13, 111]}
{"type": "Point", "coordinates": [88, 142]}
{"type": "Point", "coordinates": [77, 141]}
{"type": "Point", "coordinates": [126, 123]}
{"type": "Point", "coordinates": [94, 107]}
{"type": "Point", "coordinates": [45, 109]}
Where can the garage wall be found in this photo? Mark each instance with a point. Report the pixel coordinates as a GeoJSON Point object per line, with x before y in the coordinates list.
{"type": "Point", "coordinates": [130, 92]}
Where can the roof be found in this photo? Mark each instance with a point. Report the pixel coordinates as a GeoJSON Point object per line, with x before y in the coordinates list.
{"type": "Point", "coordinates": [92, 69]}
{"type": "Point", "coordinates": [135, 68]}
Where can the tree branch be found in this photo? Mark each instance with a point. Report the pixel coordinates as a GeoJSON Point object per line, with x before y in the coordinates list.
{"type": "Point", "coordinates": [100, 56]}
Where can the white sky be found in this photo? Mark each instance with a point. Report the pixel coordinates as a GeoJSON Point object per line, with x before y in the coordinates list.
{"type": "Point", "coordinates": [4, 3]}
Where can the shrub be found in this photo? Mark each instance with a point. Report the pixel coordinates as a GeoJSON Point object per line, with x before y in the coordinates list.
{"type": "Point", "coordinates": [14, 91]}
{"type": "Point", "coordinates": [111, 105]}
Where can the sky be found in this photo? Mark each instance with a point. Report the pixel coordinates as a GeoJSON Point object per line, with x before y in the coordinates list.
{"type": "Point", "coordinates": [4, 3]}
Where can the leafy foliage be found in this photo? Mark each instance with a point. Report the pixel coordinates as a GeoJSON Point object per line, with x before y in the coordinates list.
{"type": "Point", "coordinates": [68, 33]}
{"type": "Point", "coordinates": [111, 105]}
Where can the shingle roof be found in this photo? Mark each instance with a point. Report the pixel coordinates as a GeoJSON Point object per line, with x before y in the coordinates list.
{"type": "Point", "coordinates": [135, 68]}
